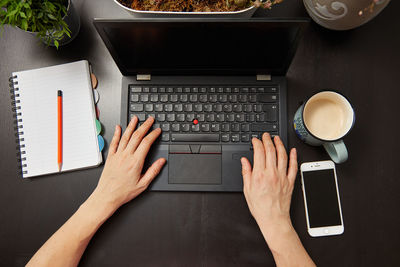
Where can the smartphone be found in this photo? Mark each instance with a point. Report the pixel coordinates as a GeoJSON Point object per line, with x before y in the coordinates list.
{"type": "Point", "coordinates": [321, 198]}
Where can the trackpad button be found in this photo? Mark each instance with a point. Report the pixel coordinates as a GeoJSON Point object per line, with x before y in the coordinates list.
{"type": "Point", "coordinates": [194, 169]}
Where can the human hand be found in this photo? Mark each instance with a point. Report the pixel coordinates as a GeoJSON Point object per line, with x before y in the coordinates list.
{"type": "Point", "coordinates": [122, 178]}
{"type": "Point", "coordinates": [269, 185]}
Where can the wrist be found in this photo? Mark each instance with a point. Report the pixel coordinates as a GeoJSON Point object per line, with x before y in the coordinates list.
{"type": "Point", "coordinates": [276, 231]}
{"type": "Point", "coordinates": [98, 207]}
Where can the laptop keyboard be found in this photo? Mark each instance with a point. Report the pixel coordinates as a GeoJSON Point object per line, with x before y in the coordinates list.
{"type": "Point", "coordinates": [220, 114]}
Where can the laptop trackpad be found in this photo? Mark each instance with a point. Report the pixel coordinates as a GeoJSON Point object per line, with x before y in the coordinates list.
{"type": "Point", "coordinates": [194, 169]}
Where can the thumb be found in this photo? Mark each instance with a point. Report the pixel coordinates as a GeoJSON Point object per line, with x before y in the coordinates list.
{"type": "Point", "coordinates": [152, 172]}
{"type": "Point", "coordinates": [246, 171]}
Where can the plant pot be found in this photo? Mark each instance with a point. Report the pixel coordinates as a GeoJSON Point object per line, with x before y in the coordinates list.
{"type": "Point", "coordinates": [74, 23]}
{"type": "Point", "coordinates": [343, 14]}
{"type": "Point", "coordinates": [244, 13]}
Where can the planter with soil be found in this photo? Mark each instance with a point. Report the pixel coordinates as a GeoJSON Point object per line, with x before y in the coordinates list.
{"type": "Point", "coordinates": [193, 8]}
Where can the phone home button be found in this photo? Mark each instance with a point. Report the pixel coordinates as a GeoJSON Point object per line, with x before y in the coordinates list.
{"type": "Point", "coordinates": [326, 231]}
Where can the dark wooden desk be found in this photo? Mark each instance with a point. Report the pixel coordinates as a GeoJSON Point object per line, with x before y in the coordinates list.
{"type": "Point", "coordinates": [210, 229]}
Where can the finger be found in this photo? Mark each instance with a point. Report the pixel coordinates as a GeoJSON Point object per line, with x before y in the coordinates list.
{"type": "Point", "coordinates": [270, 153]}
{"type": "Point", "coordinates": [281, 154]}
{"type": "Point", "coordinates": [292, 171]}
{"type": "Point", "coordinates": [127, 134]}
{"type": "Point", "coordinates": [144, 147]}
{"type": "Point", "coordinates": [115, 140]}
{"type": "Point", "coordinates": [152, 172]}
{"type": "Point", "coordinates": [139, 134]}
{"type": "Point", "coordinates": [259, 154]}
{"type": "Point", "coordinates": [246, 171]}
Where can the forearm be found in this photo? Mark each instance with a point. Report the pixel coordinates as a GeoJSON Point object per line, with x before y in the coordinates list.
{"type": "Point", "coordinates": [66, 246]}
{"type": "Point", "coordinates": [285, 245]}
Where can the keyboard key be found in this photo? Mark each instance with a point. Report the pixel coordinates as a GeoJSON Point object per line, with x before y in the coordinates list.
{"type": "Point", "coordinates": [217, 107]}
{"type": "Point", "coordinates": [203, 98]}
{"type": "Point", "coordinates": [271, 89]}
{"type": "Point", "coordinates": [195, 137]}
{"type": "Point", "coordinates": [266, 98]}
{"type": "Point", "coordinates": [245, 137]}
{"type": "Point", "coordinates": [193, 98]}
{"type": "Point", "coordinates": [153, 90]}
{"type": "Point", "coordinates": [220, 117]}
{"type": "Point", "coordinates": [178, 90]}
{"type": "Point", "coordinates": [188, 107]}
{"type": "Point", "coordinates": [164, 98]}
{"type": "Point", "coordinates": [253, 98]}
{"type": "Point", "coordinates": [148, 107]}
{"type": "Point", "coordinates": [225, 137]}
{"type": "Point", "coordinates": [135, 89]}
{"type": "Point", "coordinates": [158, 107]}
{"type": "Point", "coordinates": [136, 107]}
{"type": "Point", "coordinates": [180, 117]}
{"type": "Point", "coordinates": [175, 127]}
{"type": "Point", "coordinates": [190, 117]}
{"type": "Point", "coordinates": [242, 98]}
{"type": "Point", "coordinates": [170, 117]}
{"type": "Point", "coordinates": [225, 127]}
{"type": "Point", "coordinates": [235, 138]}
{"type": "Point", "coordinates": [253, 90]}
{"type": "Point", "coordinates": [245, 127]}
{"type": "Point", "coordinates": [263, 127]}
{"type": "Point", "coordinates": [227, 108]}
{"type": "Point", "coordinates": [160, 117]}
{"type": "Point", "coordinates": [195, 90]}
{"type": "Point", "coordinates": [271, 112]}
{"type": "Point", "coordinates": [230, 117]}
{"type": "Point", "coordinates": [134, 98]}
{"type": "Point", "coordinates": [237, 108]}
{"type": "Point", "coordinates": [220, 90]}
{"type": "Point", "coordinates": [244, 90]}
{"type": "Point", "coordinates": [195, 128]}
{"type": "Point", "coordinates": [185, 127]}
{"type": "Point", "coordinates": [203, 90]}
{"type": "Point", "coordinates": [186, 90]}
{"type": "Point", "coordinates": [140, 116]}
{"type": "Point", "coordinates": [236, 90]}
{"type": "Point", "coordinates": [165, 137]}
{"type": "Point", "coordinates": [155, 126]}
{"type": "Point", "coordinates": [178, 107]}
{"type": "Point", "coordinates": [165, 127]}
{"type": "Point", "coordinates": [146, 89]}
{"type": "Point", "coordinates": [235, 127]}
{"type": "Point", "coordinates": [212, 98]}
{"type": "Point", "coordinates": [210, 117]}
{"type": "Point", "coordinates": [232, 98]}
{"type": "Point", "coordinates": [205, 127]}
{"type": "Point", "coordinates": [168, 107]}
{"type": "Point", "coordinates": [250, 117]}
{"type": "Point", "coordinates": [247, 108]}
{"type": "Point", "coordinates": [161, 90]}
{"type": "Point", "coordinates": [200, 117]}
{"type": "Point", "coordinates": [207, 107]}
{"type": "Point", "coordinates": [154, 98]}
{"type": "Point", "coordinates": [148, 115]}
{"type": "Point", "coordinates": [183, 98]}
{"type": "Point", "coordinates": [227, 90]}
{"type": "Point", "coordinates": [257, 108]}
{"type": "Point", "coordinates": [173, 98]}
{"type": "Point", "coordinates": [222, 98]}
{"type": "Point", "coordinates": [239, 117]}
{"type": "Point", "coordinates": [215, 127]}
{"type": "Point", "coordinates": [211, 90]}
{"type": "Point", "coordinates": [144, 98]}
{"type": "Point", "coordinates": [254, 135]}
{"type": "Point", "coordinates": [198, 107]}
{"type": "Point", "coordinates": [260, 117]}
{"type": "Point", "coordinates": [170, 90]}
{"type": "Point", "coordinates": [261, 89]}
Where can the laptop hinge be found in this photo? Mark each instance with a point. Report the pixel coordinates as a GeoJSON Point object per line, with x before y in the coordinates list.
{"type": "Point", "coordinates": [143, 77]}
{"type": "Point", "coordinates": [263, 77]}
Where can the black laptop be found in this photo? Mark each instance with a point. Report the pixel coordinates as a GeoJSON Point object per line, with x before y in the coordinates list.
{"type": "Point", "coordinates": [212, 85]}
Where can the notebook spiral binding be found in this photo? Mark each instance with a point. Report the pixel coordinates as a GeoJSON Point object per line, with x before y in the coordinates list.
{"type": "Point", "coordinates": [18, 125]}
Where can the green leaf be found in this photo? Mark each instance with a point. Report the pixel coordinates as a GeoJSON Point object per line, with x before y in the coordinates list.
{"type": "Point", "coordinates": [56, 43]}
{"type": "Point", "coordinates": [51, 16]}
{"type": "Point", "coordinates": [12, 13]}
{"type": "Point", "coordinates": [3, 3]}
{"type": "Point", "coordinates": [22, 14]}
{"type": "Point", "coordinates": [24, 24]}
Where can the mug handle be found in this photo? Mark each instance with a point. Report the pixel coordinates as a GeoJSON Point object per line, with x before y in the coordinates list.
{"type": "Point", "coordinates": [337, 151]}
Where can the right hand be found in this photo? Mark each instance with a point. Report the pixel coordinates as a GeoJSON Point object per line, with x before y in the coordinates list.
{"type": "Point", "coordinates": [122, 178]}
{"type": "Point", "coordinates": [268, 186]}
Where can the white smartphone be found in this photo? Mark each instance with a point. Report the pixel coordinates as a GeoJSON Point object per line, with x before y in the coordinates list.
{"type": "Point", "coordinates": [321, 198]}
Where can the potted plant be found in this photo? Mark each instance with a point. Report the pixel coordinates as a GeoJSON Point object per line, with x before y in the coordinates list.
{"type": "Point", "coordinates": [55, 22]}
{"type": "Point", "coordinates": [235, 8]}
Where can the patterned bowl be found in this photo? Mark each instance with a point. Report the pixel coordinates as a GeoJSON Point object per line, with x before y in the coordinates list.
{"type": "Point", "coordinates": [343, 14]}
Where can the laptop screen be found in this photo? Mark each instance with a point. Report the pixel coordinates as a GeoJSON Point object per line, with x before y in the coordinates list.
{"type": "Point", "coordinates": [193, 47]}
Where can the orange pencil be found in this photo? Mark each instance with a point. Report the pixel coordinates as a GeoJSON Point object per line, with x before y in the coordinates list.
{"type": "Point", "coordinates": [59, 109]}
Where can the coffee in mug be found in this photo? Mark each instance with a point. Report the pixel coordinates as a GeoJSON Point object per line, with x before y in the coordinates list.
{"type": "Point", "coordinates": [324, 119]}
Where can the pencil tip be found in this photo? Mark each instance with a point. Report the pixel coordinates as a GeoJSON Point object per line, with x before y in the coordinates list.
{"type": "Point", "coordinates": [59, 167]}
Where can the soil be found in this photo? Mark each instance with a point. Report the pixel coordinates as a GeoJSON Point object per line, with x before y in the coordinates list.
{"type": "Point", "coordinates": [187, 5]}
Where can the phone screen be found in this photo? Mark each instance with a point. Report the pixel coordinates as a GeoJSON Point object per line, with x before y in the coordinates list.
{"type": "Point", "coordinates": [321, 197]}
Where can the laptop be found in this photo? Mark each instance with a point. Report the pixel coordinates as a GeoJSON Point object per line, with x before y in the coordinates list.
{"type": "Point", "coordinates": [211, 85]}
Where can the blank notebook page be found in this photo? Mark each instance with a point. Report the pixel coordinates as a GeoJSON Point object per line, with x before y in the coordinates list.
{"type": "Point", "coordinates": [38, 101]}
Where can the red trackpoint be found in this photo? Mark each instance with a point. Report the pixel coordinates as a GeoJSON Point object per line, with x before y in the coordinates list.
{"type": "Point", "coordinates": [195, 121]}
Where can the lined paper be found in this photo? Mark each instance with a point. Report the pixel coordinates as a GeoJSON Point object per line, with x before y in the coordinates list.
{"type": "Point", "coordinates": [38, 101]}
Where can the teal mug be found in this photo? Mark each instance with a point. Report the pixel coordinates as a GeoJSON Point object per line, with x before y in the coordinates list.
{"type": "Point", "coordinates": [324, 119]}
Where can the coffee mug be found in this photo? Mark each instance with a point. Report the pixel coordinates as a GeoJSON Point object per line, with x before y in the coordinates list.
{"type": "Point", "coordinates": [324, 119]}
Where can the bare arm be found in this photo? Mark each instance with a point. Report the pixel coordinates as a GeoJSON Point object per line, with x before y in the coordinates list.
{"type": "Point", "coordinates": [120, 182]}
{"type": "Point", "coordinates": [268, 188]}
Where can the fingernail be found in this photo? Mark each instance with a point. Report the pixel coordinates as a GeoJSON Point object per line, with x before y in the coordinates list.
{"type": "Point", "coordinates": [116, 127]}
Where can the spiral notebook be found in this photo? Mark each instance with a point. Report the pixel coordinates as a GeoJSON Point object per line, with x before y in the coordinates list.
{"type": "Point", "coordinates": [34, 101]}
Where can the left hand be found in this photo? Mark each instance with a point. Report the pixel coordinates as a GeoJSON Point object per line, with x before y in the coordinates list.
{"type": "Point", "coordinates": [122, 178]}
